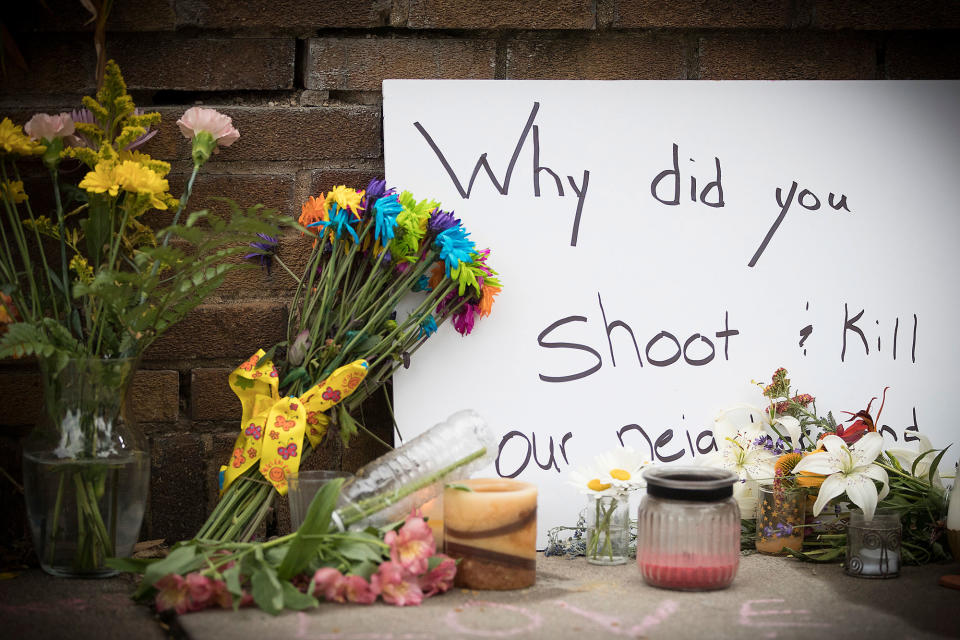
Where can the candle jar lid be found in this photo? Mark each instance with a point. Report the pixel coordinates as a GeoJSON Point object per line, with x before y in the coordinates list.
{"type": "Point", "coordinates": [698, 484]}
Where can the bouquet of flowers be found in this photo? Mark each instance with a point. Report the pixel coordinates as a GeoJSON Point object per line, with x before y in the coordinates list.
{"type": "Point", "coordinates": [790, 446]}
{"type": "Point", "coordinates": [368, 249]}
{"type": "Point", "coordinates": [87, 287]}
{"type": "Point", "coordinates": [398, 564]}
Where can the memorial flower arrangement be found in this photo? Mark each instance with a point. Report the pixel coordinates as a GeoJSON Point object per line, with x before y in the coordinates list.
{"type": "Point", "coordinates": [368, 250]}
{"type": "Point", "coordinates": [398, 564]}
{"type": "Point", "coordinates": [88, 285]}
{"type": "Point", "coordinates": [789, 445]}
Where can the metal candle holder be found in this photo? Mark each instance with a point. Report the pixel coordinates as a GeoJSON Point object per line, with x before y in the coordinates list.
{"type": "Point", "coordinates": [873, 547]}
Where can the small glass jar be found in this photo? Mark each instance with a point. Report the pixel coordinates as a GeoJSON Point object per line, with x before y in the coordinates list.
{"type": "Point", "coordinates": [780, 518]}
{"type": "Point", "coordinates": [688, 529]}
{"type": "Point", "coordinates": [608, 529]}
{"type": "Point", "coordinates": [873, 546]}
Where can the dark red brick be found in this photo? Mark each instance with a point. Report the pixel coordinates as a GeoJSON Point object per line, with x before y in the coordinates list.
{"type": "Point", "coordinates": [154, 397]}
{"type": "Point", "coordinates": [289, 16]}
{"type": "Point", "coordinates": [169, 61]}
{"type": "Point", "coordinates": [69, 15]}
{"type": "Point", "coordinates": [710, 14]}
{"type": "Point", "coordinates": [922, 56]}
{"type": "Point", "coordinates": [880, 15]}
{"type": "Point", "coordinates": [211, 397]}
{"type": "Point", "coordinates": [608, 56]}
{"type": "Point", "coordinates": [272, 191]}
{"type": "Point", "coordinates": [322, 180]}
{"type": "Point", "coordinates": [178, 487]}
{"type": "Point", "coordinates": [57, 64]}
{"type": "Point", "coordinates": [225, 330]}
{"type": "Point", "coordinates": [500, 14]}
{"type": "Point", "coordinates": [787, 56]}
{"type": "Point", "coordinates": [281, 133]}
{"type": "Point", "coordinates": [363, 63]}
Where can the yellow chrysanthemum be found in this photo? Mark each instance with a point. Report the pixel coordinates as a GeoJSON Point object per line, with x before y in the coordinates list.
{"type": "Point", "coordinates": [345, 198]}
{"type": "Point", "coordinates": [13, 191]}
{"type": "Point", "coordinates": [103, 179]}
{"type": "Point", "coordinates": [14, 141]}
{"type": "Point", "coordinates": [136, 178]}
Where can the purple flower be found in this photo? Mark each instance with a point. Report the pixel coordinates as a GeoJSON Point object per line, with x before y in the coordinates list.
{"type": "Point", "coordinates": [440, 221]}
{"type": "Point", "coordinates": [768, 532]}
{"type": "Point", "coordinates": [265, 251]}
{"type": "Point", "coordinates": [86, 116]}
{"type": "Point", "coordinates": [464, 318]}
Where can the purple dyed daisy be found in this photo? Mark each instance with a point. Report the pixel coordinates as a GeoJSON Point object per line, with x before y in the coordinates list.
{"type": "Point", "coordinates": [440, 221]}
{"type": "Point", "coordinates": [264, 251]}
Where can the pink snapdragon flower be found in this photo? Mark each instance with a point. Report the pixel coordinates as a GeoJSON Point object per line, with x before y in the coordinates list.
{"type": "Point", "coordinates": [43, 126]}
{"type": "Point", "coordinates": [329, 583]}
{"type": "Point", "coordinates": [440, 578]}
{"type": "Point", "coordinates": [412, 545]}
{"type": "Point", "coordinates": [197, 119]}
{"type": "Point", "coordinates": [359, 590]}
{"type": "Point", "coordinates": [396, 586]}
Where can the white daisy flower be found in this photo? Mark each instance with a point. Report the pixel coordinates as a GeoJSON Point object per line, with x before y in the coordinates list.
{"type": "Point", "coordinates": [617, 471]}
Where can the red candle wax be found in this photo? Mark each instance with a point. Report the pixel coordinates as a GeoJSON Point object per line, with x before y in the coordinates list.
{"type": "Point", "coordinates": [688, 572]}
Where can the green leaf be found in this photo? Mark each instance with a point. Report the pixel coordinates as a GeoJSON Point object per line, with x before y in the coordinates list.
{"type": "Point", "coordinates": [309, 536]}
{"type": "Point", "coordinates": [295, 599]}
{"type": "Point", "coordinates": [129, 565]}
{"type": "Point", "coordinates": [266, 589]}
{"type": "Point", "coordinates": [359, 551]}
{"type": "Point", "coordinates": [348, 426]}
{"type": "Point", "coordinates": [364, 569]}
{"type": "Point", "coordinates": [936, 464]}
{"type": "Point", "coordinates": [232, 578]}
{"type": "Point", "coordinates": [458, 487]}
{"type": "Point", "coordinates": [295, 374]}
{"type": "Point", "coordinates": [180, 561]}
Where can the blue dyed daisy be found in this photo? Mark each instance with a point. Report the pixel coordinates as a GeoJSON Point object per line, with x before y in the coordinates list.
{"type": "Point", "coordinates": [428, 326]}
{"type": "Point", "coordinates": [340, 220]}
{"type": "Point", "coordinates": [385, 216]}
{"type": "Point", "coordinates": [455, 247]}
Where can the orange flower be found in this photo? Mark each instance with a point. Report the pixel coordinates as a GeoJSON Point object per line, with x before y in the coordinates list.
{"type": "Point", "coordinates": [486, 299]}
{"type": "Point", "coordinates": [785, 463]}
{"type": "Point", "coordinates": [313, 210]}
{"type": "Point", "coordinates": [436, 274]}
{"type": "Point", "coordinates": [8, 313]}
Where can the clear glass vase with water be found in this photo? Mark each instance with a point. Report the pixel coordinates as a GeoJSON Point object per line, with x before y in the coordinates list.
{"type": "Point", "coordinates": [86, 468]}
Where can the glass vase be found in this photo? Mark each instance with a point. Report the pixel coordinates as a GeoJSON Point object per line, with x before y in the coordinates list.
{"type": "Point", "coordinates": [86, 468]}
{"type": "Point", "coordinates": [873, 546]}
{"type": "Point", "coordinates": [780, 518]}
{"type": "Point", "coordinates": [608, 529]}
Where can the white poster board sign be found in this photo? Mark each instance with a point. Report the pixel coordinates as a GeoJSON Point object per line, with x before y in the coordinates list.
{"type": "Point", "coordinates": [662, 244]}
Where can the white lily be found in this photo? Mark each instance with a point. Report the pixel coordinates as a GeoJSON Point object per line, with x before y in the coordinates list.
{"type": "Point", "coordinates": [925, 452]}
{"type": "Point", "coordinates": [735, 432]}
{"type": "Point", "coordinates": [849, 470]}
{"type": "Point", "coordinates": [789, 427]}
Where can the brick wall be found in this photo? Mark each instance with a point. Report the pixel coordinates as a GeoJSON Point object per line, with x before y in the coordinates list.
{"type": "Point", "coordinates": [301, 79]}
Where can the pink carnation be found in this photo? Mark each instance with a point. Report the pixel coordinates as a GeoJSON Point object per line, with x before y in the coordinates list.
{"type": "Point", "coordinates": [197, 119]}
{"type": "Point", "coordinates": [359, 590]}
{"type": "Point", "coordinates": [440, 578]}
{"type": "Point", "coordinates": [43, 126]}
{"type": "Point", "coordinates": [329, 583]}
{"type": "Point", "coordinates": [172, 593]}
{"type": "Point", "coordinates": [396, 586]}
{"type": "Point", "coordinates": [412, 546]}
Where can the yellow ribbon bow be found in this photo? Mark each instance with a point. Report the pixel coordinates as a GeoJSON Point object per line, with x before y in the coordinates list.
{"type": "Point", "coordinates": [272, 428]}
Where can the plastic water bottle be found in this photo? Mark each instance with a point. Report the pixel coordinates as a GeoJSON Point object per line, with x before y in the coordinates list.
{"type": "Point", "coordinates": [389, 488]}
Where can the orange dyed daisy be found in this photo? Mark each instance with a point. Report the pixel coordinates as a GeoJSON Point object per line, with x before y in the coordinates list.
{"type": "Point", "coordinates": [313, 210]}
{"type": "Point", "coordinates": [489, 292]}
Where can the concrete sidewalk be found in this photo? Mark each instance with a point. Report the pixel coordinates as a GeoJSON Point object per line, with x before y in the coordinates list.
{"type": "Point", "coordinates": [771, 598]}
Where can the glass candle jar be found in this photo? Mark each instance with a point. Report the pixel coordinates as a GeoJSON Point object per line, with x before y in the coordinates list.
{"type": "Point", "coordinates": [688, 529]}
{"type": "Point", "coordinates": [780, 518]}
{"type": "Point", "coordinates": [873, 546]}
{"type": "Point", "coordinates": [490, 526]}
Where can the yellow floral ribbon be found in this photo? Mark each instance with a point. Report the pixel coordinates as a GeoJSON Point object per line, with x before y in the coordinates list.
{"type": "Point", "coordinates": [272, 428]}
